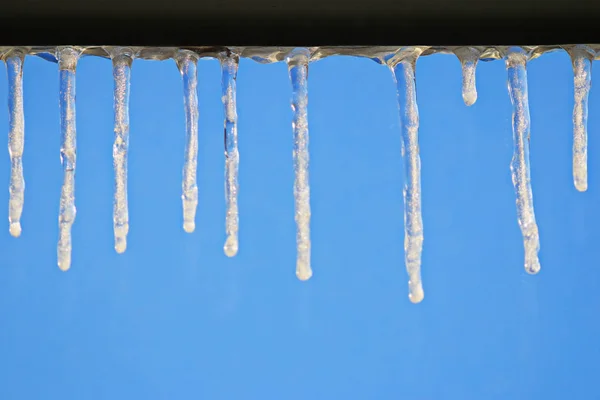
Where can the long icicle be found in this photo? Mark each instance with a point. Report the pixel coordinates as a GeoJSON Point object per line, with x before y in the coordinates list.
{"type": "Point", "coordinates": [403, 70]}
{"type": "Point", "coordinates": [516, 65]}
{"type": "Point", "coordinates": [187, 63]}
{"type": "Point", "coordinates": [67, 62]}
{"type": "Point", "coordinates": [16, 138]}
{"type": "Point", "coordinates": [297, 62]}
{"type": "Point", "coordinates": [581, 57]}
{"type": "Point", "coordinates": [122, 58]}
{"type": "Point", "coordinates": [468, 57]}
{"type": "Point", "coordinates": [229, 68]}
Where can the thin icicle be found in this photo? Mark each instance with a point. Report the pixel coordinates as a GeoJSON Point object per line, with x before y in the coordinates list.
{"type": "Point", "coordinates": [187, 63]}
{"type": "Point", "coordinates": [581, 56]}
{"type": "Point", "coordinates": [229, 68]}
{"type": "Point", "coordinates": [403, 70]}
{"type": "Point", "coordinates": [468, 57]}
{"type": "Point", "coordinates": [16, 138]}
{"type": "Point", "coordinates": [298, 70]}
{"type": "Point", "coordinates": [122, 58]}
{"type": "Point", "coordinates": [67, 61]}
{"type": "Point", "coordinates": [516, 64]}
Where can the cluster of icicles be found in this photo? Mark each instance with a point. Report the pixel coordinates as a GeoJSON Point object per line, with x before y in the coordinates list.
{"type": "Point", "coordinates": [402, 64]}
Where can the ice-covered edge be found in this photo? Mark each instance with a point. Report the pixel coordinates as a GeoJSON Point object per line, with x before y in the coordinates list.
{"type": "Point", "coordinates": [277, 54]}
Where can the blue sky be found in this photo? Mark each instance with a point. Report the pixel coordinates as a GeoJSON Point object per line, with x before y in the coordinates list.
{"type": "Point", "coordinates": [173, 318]}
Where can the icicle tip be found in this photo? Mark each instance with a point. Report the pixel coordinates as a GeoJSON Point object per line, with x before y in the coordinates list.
{"type": "Point", "coordinates": [470, 97]}
{"type": "Point", "coordinates": [189, 226]}
{"type": "Point", "coordinates": [231, 246]}
{"type": "Point", "coordinates": [416, 293]}
{"type": "Point", "coordinates": [120, 245]}
{"type": "Point", "coordinates": [64, 262]}
{"type": "Point", "coordinates": [304, 274]}
{"type": "Point", "coordinates": [15, 229]}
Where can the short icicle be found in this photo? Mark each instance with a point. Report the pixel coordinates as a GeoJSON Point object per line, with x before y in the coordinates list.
{"type": "Point", "coordinates": [297, 62]}
{"type": "Point", "coordinates": [516, 65]}
{"type": "Point", "coordinates": [187, 63]}
{"type": "Point", "coordinates": [229, 67]}
{"type": "Point", "coordinates": [16, 138]}
{"type": "Point", "coordinates": [122, 58]}
{"type": "Point", "coordinates": [403, 70]}
{"type": "Point", "coordinates": [67, 62]}
{"type": "Point", "coordinates": [468, 57]}
{"type": "Point", "coordinates": [581, 57]}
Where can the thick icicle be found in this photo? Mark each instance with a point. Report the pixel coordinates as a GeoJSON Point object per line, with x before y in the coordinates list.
{"type": "Point", "coordinates": [468, 57]}
{"type": "Point", "coordinates": [187, 63]}
{"type": "Point", "coordinates": [297, 62]}
{"type": "Point", "coordinates": [122, 58]}
{"type": "Point", "coordinates": [403, 70]}
{"type": "Point", "coordinates": [581, 56]}
{"type": "Point", "coordinates": [16, 138]}
{"type": "Point", "coordinates": [229, 68]}
{"type": "Point", "coordinates": [67, 61]}
{"type": "Point", "coordinates": [516, 64]}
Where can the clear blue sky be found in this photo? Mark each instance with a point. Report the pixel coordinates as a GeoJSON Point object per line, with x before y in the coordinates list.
{"type": "Point", "coordinates": [173, 318]}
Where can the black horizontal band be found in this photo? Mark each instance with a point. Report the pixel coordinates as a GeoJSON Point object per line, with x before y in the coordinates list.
{"type": "Point", "coordinates": [294, 23]}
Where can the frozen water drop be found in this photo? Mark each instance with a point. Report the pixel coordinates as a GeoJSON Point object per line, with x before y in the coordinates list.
{"type": "Point", "coordinates": [468, 57]}
{"type": "Point", "coordinates": [231, 246]}
{"type": "Point", "coordinates": [15, 229]}
{"type": "Point", "coordinates": [189, 226]}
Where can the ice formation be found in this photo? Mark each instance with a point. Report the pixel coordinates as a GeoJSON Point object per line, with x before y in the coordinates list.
{"type": "Point", "coordinates": [402, 63]}
{"type": "Point", "coordinates": [297, 62]}
{"type": "Point", "coordinates": [581, 57]}
{"type": "Point", "coordinates": [16, 138]}
{"type": "Point", "coordinates": [67, 62]}
{"type": "Point", "coordinates": [187, 63]}
{"type": "Point", "coordinates": [403, 69]}
{"type": "Point", "coordinates": [516, 65]}
{"type": "Point", "coordinates": [229, 68]}
{"type": "Point", "coordinates": [468, 57]}
{"type": "Point", "coordinates": [122, 58]}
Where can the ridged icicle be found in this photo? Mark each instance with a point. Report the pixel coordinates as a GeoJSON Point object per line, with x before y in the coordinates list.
{"type": "Point", "coordinates": [16, 138]}
{"type": "Point", "coordinates": [297, 62]}
{"type": "Point", "coordinates": [67, 63]}
{"type": "Point", "coordinates": [229, 67]}
{"type": "Point", "coordinates": [581, 57]}
{"type": "Point", "coordinates": [403, 69]}
{"type": "Point", "coordinates": [516, 65]}
{"type": "Point", "coordinates": [122, 58]}
{"type": "Point", "coordinates": [187, 63]}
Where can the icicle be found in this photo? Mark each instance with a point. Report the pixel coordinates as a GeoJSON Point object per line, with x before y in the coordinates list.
{"type": "Point", "coordinates": [516, 64]}
{"type": "Point", "coordinates": [122, 58]}
{"type": "Point", "coordinates": [187, 63]}
{"type": "Point", "coordinates": [581, 57]}
{"type": "Point", "coordinates": [297, 62]}
{"type": "Point", "coordinates": [403, 70]}
{"type": "Point", "coordinates": [468, 57]}
{"type": "Point", "coordinates": [67, 61]}
{"type": "Point", "coordinates": [229, 68]}
{"type": "Point", "coordinates": [16, 138]}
